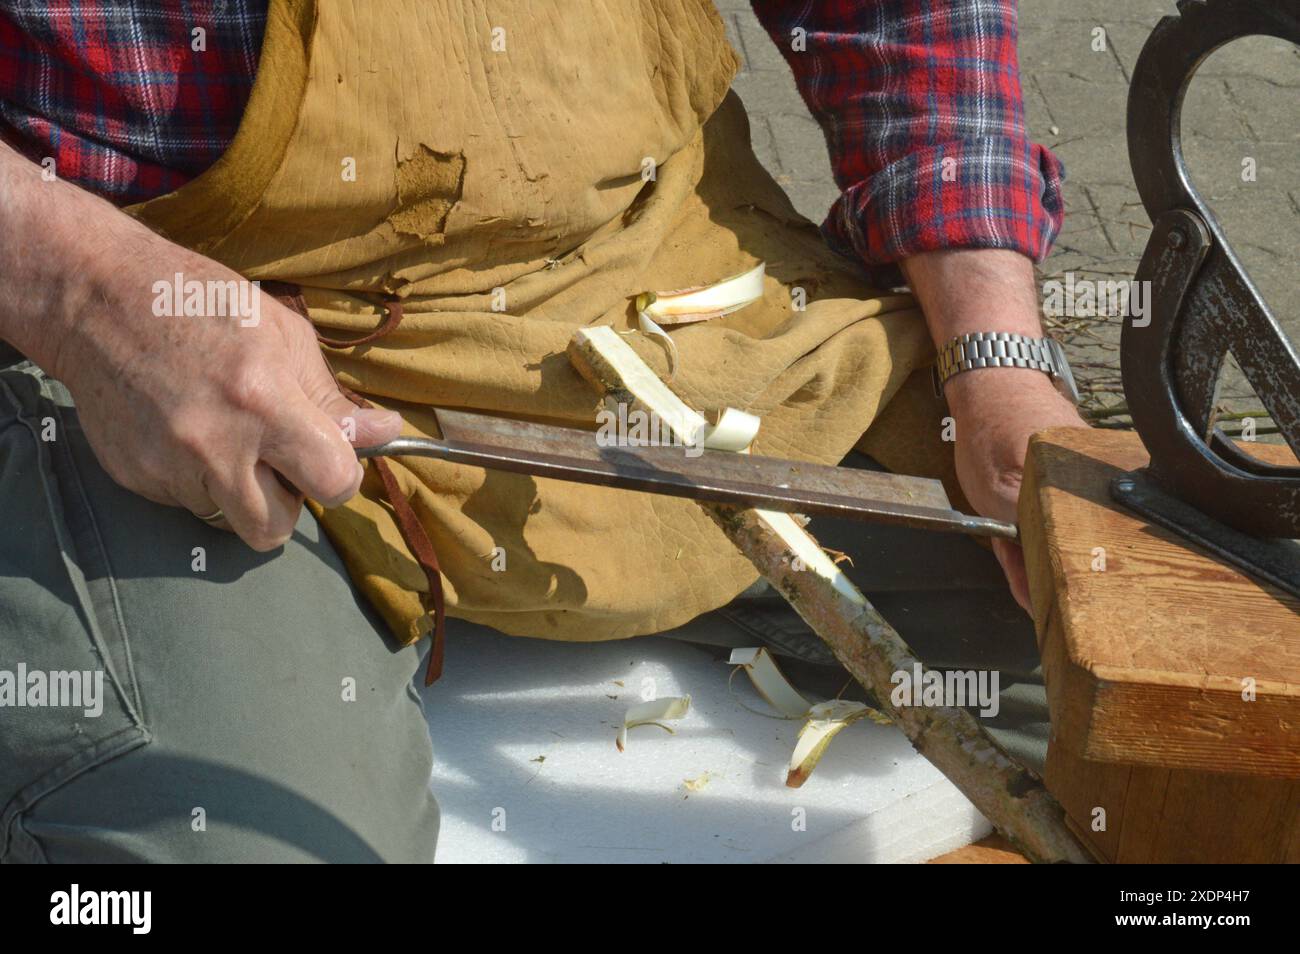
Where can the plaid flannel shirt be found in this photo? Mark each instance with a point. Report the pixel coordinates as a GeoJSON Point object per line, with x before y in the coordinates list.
{"type": "Point", "coordinates": [919, 99]}
{"type": "Point", "coordinates": [126, 97]}
{"type": "Point", "coordinates": [921, 105]}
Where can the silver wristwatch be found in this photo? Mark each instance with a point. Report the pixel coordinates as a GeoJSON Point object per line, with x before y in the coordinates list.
{"type": "Point", "coordinates": [1001, 349]}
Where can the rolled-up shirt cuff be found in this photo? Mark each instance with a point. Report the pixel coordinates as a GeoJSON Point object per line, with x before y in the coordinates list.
{"type": "Point", "coordinates": [994, 192]}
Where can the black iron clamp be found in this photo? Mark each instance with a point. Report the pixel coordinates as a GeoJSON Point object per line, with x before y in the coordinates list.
{"type": "Point", "coordinates": [1202, 306]}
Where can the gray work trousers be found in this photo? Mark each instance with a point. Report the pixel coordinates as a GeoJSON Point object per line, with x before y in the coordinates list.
{"type": "Point", "coordinates": [252, 706]}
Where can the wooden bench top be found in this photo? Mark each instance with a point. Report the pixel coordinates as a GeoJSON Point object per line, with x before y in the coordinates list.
{"type": "Point", "coordinates": [1146, 660]}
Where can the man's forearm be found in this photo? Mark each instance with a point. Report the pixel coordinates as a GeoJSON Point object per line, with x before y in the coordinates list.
{"type": "Point", "coordinates": [995, 410]}
{"type": "Point", "coordinates": [963, 291]}
{"type": "Point", "coordinates": [60, 245]}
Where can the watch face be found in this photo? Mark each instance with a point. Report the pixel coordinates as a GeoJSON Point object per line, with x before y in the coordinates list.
{"type": "Point", "coordinates": [1064, 376]}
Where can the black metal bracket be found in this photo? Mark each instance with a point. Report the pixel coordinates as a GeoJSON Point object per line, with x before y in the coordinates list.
{"type": "Point", "coordinates": [1202, 306]}
{"type": "Point", "coordinates": [1274, 561]}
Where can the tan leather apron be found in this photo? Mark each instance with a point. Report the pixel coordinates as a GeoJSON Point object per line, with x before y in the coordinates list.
{"type": "Point", "coordinates": [485, 162]}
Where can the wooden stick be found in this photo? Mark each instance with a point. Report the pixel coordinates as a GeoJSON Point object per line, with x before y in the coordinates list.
{"type": "Point", "coordinates": [1008, 795]}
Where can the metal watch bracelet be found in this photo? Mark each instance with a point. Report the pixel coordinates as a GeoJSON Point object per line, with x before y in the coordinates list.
{"type": "Point", "coordinates": [1003, 349]}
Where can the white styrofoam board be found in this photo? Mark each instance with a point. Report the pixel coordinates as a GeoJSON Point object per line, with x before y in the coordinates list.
{"type": "Point", "coordinates": [505, 702]}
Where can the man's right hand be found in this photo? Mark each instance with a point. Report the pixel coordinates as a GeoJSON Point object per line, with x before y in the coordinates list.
{"type": "Point", "coordinates": [196, 412]}
{"type": "Point", "coordinates": [203, 413]}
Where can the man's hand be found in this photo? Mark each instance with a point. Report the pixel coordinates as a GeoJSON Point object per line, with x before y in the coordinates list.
{"type": "Point", "coordinates": [993, 419]}
{"type": "Point", "coordinates": [205, 413]}
{"type": "Point", "coordinates": [994, 410]}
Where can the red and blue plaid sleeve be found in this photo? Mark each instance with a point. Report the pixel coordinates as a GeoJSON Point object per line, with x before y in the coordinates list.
{"type": "Point", "coordinates": [921, 105]}
{"type": "Point", "coordinates": [131, 100]}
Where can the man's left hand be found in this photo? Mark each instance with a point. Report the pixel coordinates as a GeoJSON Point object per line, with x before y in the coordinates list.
{"type": "Point", "coordinates": [995, 410]}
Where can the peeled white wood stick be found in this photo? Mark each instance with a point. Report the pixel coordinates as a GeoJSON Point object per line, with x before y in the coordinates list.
{"type": "Point", "coordinates": [1008, 795]}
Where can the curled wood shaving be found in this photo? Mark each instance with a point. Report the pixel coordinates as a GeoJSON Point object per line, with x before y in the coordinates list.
{"type": "Point", "coordinates": [654, 712]}
{"type": "Point", "coordinates": [823, 720]}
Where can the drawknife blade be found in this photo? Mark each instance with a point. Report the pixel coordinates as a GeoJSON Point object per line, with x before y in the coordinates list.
{"type": "Point", "coordinates": [743, 480]}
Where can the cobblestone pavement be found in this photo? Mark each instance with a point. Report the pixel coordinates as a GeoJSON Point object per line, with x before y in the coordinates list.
{"type": "Point", "coordinates": [1241, 112]}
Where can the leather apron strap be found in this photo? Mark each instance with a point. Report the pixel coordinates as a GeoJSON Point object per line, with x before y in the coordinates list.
{"type": "Point", "coordinates": [408, 524]}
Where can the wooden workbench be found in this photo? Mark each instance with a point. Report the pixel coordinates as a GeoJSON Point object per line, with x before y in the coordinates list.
{"type": "Point", "coordinates": [1151, 649]}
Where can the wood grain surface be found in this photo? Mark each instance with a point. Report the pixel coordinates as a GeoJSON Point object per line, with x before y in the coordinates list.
{"type": "Point", "coordinates": [1146, 661]}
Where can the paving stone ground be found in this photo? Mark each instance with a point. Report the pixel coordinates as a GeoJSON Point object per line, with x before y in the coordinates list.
{"type": "Point", "coordinates": [1240, 116]}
